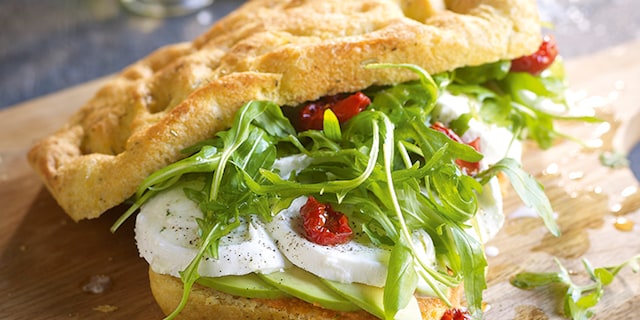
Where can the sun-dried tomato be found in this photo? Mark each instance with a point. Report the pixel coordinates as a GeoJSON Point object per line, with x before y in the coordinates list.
{"type": "Point", "coordinates": [469, 168]}
{"type": "Point", "coordinates": [456, 314]}
{"type": "Point", "coordinates": [538, 61]}
{"type": "Point", "coordinates": [439, 126]}
{"type": "Point", "coordinates": [323, 225]}
{"type": "Point", "coordinates": [311, 115]}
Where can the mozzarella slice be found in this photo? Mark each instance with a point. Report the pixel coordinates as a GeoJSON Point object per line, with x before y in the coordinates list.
{"type": "Point", "coordinates": [495, 142]}
{"type": "Point", "coordinates": [291, 164]}
{"type": "Point", "coordinates": [167, 237]}
{"type": "Point", "coordinates": [490, 216]}
{"type": "Point", "coordinates": [355, 261]}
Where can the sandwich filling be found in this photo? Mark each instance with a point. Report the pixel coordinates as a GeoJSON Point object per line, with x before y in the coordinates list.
{"type": "Point", "coordinates": [370, 197]}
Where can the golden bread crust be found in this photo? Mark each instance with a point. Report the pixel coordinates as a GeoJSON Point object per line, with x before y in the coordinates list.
{"type": "Point", "coordinates": [207, 303]}
{"type": "Point", "coordinates": [286, 51]}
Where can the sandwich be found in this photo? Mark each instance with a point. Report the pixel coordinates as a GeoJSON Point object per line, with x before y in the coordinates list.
{"type": "Point", "coordinates": [309, 159]}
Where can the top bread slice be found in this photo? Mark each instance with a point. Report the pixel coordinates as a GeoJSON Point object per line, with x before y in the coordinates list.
{"type": "Point", "coordinates": [285, 51]}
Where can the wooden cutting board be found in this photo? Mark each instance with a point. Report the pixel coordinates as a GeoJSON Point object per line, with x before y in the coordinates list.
{"type": "Point", "coordinates": [47, 262]}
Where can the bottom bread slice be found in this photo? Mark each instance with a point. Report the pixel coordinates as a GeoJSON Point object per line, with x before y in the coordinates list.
{"type": "Point", "coordinates": [208, 303]}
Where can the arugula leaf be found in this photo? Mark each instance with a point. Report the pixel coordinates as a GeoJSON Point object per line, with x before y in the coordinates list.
{"type": "Point", "coordinates": [530, 280]}
{"type": "Point", "coordinates": [385, 167]}
{"type": "Point", "coordinates": [579, 300]}
{"type": "Point", "coordinates": [460, 125]}
{"type": "Point", "coordinates": [402, 278]}
{"type": "Point", "coordinates": [190, 274]}
{"type": "Point", "coordinates": [481, 74]}
{"type": "Point", "coordinates": [518, 101]}
{"type": "Point", "coordinates": [401, 282]}
{"type": "Point", "coordinates": [528, 189]}
{"type": "Point", "coordinates": [411, 101]}
{"type": "Point", "coordinates": [239, 133]}
{"type": "Point", "coordinates": [289, 188]}
{"type": "Point", "coordinates": [206, 160]}
{"type": "Point", "coordinates": [385, 206]}
{"type": "Point", "coordinates": [473, 269]}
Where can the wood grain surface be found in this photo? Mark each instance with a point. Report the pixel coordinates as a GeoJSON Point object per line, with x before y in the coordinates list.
{"type": "Point", "coordinates": [47, 261]}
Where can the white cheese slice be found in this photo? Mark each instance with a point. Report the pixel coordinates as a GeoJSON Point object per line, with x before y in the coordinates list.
{"type": "Point", "coordinates": [353, 261]}
{"type": "Point", "coordinates": [167, 237]}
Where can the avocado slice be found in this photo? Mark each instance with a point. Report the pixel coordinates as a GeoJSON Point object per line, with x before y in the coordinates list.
{"type": "Point", "coordinates": [306, 286]}
{"type": "Point", "coordinates": [370, 299]}
{"type": "Point", "coordinates": [248, 285]}
{"type": "Point", "coordinates": [366, 297]}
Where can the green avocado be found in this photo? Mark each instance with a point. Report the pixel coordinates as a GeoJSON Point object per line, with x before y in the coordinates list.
{"type": "Point", "coordinates": [371, 298]}
{"type": "Point", "coordinates": [366, 297]}
{"type": "Point", "coordinates": [306, 286]}
{"type": "Point", "coordinates": [249, 286]}
{"type": "Point", "coordinates": [303, 285]}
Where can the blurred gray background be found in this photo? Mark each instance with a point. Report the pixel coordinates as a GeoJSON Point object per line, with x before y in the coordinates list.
{"type": "Point", "coordinates": [46, 46]}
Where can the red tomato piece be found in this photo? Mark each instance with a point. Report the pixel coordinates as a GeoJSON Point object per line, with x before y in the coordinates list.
{"type": "Point", "coordinates": [456, 314]}
{"type": "Point", "coordinates": [469, 168]}
{"type": "Point", "coordinates": [350, 106]}
{"type": "Point", "coordinates": [439, 126]}
{"type": "Point", "coordinates": [311, 115]}
{"type": "Point", "coordinates": [538, 61]}
{"type": "Point", "coordinates": [323, 225]}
